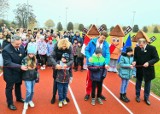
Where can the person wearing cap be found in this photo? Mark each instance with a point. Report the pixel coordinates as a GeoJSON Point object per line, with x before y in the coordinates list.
{"type": "Point", "coordinates": [12, 56]}
{"type": "Point", "coordinates": [125, 72]}
{"type": "Point", "coordinates": [145, 56]}
{"type": "Point", "coordinates": [98, 73]}
{"type": "Point", "coordinates": [42, 51]}
{"type": "Point", "coordinates": [89, 51]}
{"type": "Point", "coordinates": [29, 77]}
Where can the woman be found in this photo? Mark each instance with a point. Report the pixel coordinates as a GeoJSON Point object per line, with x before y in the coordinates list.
{"type": "Point", "coordinates": [62, 46]}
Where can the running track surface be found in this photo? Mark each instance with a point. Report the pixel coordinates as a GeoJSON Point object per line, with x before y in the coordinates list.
{"type": "Point", "coordinates": [76, 93]}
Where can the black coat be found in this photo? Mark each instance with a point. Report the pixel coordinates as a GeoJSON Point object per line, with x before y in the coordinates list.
{"type": "Point", "coordinates": [149, 55]}
{"type": "Point", "coordinates": [12, 63]}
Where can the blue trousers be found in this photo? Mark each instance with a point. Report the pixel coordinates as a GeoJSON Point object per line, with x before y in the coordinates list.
{"type": "Point", "coordinates": [147, 87]}
{"type": "Point", "coordinates": [29, 90]}
{"type": "Point", "coordinates": [124, 85]}
{"type": "Point", "coordinates": [62, 90]}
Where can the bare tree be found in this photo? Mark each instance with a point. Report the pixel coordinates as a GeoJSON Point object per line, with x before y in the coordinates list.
{"type": "Point", "coordinates": [4, 5]}
{"type": "Point", "coordinates": [24, 15]}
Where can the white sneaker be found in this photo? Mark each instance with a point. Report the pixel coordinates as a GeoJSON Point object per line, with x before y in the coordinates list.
{"type": "Point", "coordinates": [24, 111]}
{"type": "Point", "coordinates": [25, 106]}
{"type": "Point", "coordinates": [41, 68]}
{"type": "Point", "coordinates": [60, 104]}
{"type": "Point", "coordinates": [64, 102]}
{"type": "Point", "coordinates": [31, 104]}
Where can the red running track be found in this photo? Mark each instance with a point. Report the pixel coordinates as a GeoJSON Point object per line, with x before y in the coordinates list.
{"type": "Point", "coordinates": [111, 88]}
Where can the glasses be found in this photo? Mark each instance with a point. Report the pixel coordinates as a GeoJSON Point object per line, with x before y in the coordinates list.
{"type": "Point", "coordinates": [141, 41]}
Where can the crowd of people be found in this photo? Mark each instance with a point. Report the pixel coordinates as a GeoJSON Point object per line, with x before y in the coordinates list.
{"type": "Point", "coordinates": [22, 50]}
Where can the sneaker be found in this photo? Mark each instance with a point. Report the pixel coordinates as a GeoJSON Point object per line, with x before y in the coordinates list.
{"type": "Point", "coordinates": [86, 97]}
{"type": "Point", "coordinates": [93, 102]}
{"type": "Point", "coordinates": [103, 97]}
{"type": "Point", "coordinates": [100, 101]}
{"type": "Point", "coordinates": [41, 68]}
{"type": "Point", "coordinates": [60, 104]}
{"type": "Point", "coordinates": [64, 102]}
{"type": "Point", "coordinates": [31, 104]}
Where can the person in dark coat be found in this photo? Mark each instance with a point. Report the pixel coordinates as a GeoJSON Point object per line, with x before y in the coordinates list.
{"type": "Point", "coordinates": [145, 56]}
{"type": "Point", "coordinates": [63, 46]}
{"type": "Point", "coordinates": [12, 56]}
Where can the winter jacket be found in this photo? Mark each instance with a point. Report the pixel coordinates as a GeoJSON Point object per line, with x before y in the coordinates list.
{"type": "Point", "coordinates": [30, 74]}
{"type": "Point", "coordinates": [63, 75]}
{"type": "Point", "coordinates": [91, 47]}
{"type": "Point", "coordinates": [125, 71]}
{"type": "Point", "coordinates": [78, 52]}
{"type": "Point", "coordinates": [97, 69]}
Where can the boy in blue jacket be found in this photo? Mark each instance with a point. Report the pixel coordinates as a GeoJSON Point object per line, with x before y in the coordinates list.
{"type": "Point", "coordinates": [98, 73]}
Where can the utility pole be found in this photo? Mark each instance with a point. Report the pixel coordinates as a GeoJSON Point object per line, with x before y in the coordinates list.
{"type": "Point", "coordinates": [134, 13]}
{"type": "Point", "coordinates": [66, 16]}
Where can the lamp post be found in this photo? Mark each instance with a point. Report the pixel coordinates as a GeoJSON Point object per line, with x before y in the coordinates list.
{"type": "Point", "coordinates": [66, 16]}
{"type": "Point", "coordinates": [134, 13]}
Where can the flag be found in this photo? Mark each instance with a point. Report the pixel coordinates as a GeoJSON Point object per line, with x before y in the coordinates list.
{"type": "Point", "coordinates": [85, 43]}
{"type": "Point", "coordinates": [127, 44]}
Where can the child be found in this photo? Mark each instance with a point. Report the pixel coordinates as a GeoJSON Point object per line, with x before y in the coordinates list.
{"type": "Point", "coordinates": [29, 77]}
{"type": "Point", "coordinates": [63, 77]}
{"type": "Point", "coordinates": [80, 56]}
{"type": "Point", "coordinates": [75, 44]}
{"type": "Point", "coordinates": [125, 72]}
{"type": "Point", "coordinates": [98, 73]}
{"type": "Point", "coordinates": [50, 47]}
{"type": "Point", "coordinates": [42, 51]}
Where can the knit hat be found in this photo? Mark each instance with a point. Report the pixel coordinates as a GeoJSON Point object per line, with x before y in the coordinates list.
{"type": "Point", "coordinates": [31, 50]}
{"type": "Point", "coordinates": [129, 49]}
{"type": "Point", "coordinates": [98, 51]}
{"type": "Point", "coordinates": [66, 56]}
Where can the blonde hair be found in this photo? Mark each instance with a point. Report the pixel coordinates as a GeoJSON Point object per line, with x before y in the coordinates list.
{"type": "Point", "coordinates": [63, 42]}
{"type": "Point", "coordinates": [31, 62]}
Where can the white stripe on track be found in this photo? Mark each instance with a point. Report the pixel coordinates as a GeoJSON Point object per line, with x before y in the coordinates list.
{"type": "Point", "coordinates": [1, 74]}
{"type": "Point", "coordinates": [118, 100]}
{"type": "Point", "coordinates": [143, 90]}
{"type": "Point", "coordinates": [74, 100]}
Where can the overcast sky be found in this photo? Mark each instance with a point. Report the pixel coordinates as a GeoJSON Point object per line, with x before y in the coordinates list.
{"type": "Point", "coordinates": [110, 12]}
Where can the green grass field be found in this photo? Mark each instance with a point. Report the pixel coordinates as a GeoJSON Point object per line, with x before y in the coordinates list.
{"type": "Point", "coordinates": [155, 88]}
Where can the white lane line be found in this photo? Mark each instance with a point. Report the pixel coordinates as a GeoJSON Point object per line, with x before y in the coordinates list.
{"type": "Point", "coordinates": [143, 90]}
{"type": "Point", "coordinates": [118, 100]}
{"type": "Point", "coordinates": [74, 100]}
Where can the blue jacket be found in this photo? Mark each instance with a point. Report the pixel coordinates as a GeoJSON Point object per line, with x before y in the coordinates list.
{"type": "Point", "coordinates": [125, 71]}
{"type": "Point", "coordinates": [91, 47]}
{"type": "Point", "coordinates": [96, 67]}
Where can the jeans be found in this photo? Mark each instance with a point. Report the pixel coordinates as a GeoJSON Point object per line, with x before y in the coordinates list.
{"type": "Point", "coordinates": [98, 85]}
{"type": "Point", "coordinates": [124, 85]}
{"type": "Point", "coordinates": [29, 90]}
{"type": "Point", "coordinates": [62, 90]}
{"type": "Point", "coordinates": [147, 86]}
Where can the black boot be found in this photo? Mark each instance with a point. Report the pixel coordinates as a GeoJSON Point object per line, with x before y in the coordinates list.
{"type": "Point", "coordinates": [53, 99]}
{"type": "Point", "coordinates": [126, 97]}
{"type": "Point", "coordinates": [123, 98]}
{"type": "Point", "coordinates": [67, 99]}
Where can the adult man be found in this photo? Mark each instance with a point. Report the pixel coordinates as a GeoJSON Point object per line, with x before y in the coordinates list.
{"type": "Point", "coordinates": [12, 56]}
{"type": "Point", "coordinates": [89, 51]}
{"type": "Point", "coordinates": [145, 56]}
